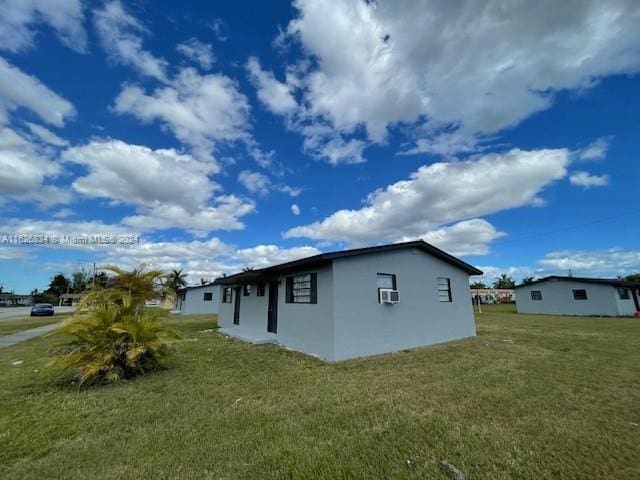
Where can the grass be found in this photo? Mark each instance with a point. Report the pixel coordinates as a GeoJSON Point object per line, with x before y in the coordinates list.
{"type": "Point", "coordinates": [7, 327]}
{"type": "Point", "coordinates": [529, 397]}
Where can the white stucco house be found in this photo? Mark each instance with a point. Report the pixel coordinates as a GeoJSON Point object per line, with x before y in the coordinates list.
{"type": "Point", "coordinates": [199, 299]}
{"type": "Point", "coordinates": [352, 303]}
{"type": "Point", "coordinates": [556, 295]}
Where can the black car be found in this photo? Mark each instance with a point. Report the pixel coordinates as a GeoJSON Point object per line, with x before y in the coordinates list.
{"type": "Point", "coordinates": [42, 309]}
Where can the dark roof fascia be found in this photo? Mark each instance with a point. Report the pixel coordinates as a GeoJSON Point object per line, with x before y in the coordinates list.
{"type": "Point", "coordinates": [323, 258]}
{"type": "Point", "coordinates": [613, 282]}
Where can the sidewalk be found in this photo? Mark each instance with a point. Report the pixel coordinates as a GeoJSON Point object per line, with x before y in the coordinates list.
{"type": "Point", "coordinates": [9, 340]}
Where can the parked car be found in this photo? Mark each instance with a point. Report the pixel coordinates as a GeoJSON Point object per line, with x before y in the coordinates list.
{"type": "Point", "coordinates": [42, 309]}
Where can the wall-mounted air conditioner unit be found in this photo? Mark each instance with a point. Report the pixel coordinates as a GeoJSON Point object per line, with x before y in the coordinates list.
{"type": "Point", "coordinates": [388, 295]}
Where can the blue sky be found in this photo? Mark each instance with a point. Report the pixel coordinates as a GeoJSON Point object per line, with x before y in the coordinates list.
{"type": "Point", "coordinates": [224, 135]}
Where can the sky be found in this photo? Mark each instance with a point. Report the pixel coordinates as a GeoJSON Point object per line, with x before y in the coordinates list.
{"type": "Point", "coordinates": [212, 136]}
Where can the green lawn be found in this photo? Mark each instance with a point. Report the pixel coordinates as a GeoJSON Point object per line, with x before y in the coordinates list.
{"type": "Point", "coordinates": [7, 327]}
{"type": "Point", "coordinates": [531, 397]}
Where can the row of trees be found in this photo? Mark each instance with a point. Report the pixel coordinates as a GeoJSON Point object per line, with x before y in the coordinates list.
{"type": "Point", "coordinates": [82, 281]}
{"type": "Point", "coordinates": [503, 281]}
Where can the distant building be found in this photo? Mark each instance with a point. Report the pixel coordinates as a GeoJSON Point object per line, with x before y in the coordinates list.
{"type": "Point", "coordinates": [13, 300]}
{"type": "Point", "coordinates": [579, 296]}
{"type": "Point", "coordinates": [70, 299]}
{"type": "Point", "coordinates": [489, 296]}
{"type": "Point", "coordinates": [200, 299]}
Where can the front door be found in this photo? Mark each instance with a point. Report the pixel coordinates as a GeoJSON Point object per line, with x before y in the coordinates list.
{"type": "Point", "coordinates": [236, 306]}
{"type": "Point", "coordinates": [272, 315]}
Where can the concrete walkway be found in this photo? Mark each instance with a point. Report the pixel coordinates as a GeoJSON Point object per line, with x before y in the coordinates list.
{"type": "Point", "coordinates": [9, 340]}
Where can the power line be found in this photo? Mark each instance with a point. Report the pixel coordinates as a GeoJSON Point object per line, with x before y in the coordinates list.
{"type": "Point", "coordinates": [568, 227]}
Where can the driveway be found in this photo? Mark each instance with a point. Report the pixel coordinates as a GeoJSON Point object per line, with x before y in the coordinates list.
{"type": "Point", "coordinates": [9, 340]}
{"type": "Point", "coordinates": [11, 313]}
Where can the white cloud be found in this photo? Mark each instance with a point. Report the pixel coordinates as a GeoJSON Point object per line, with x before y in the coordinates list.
{"type": "Point", "coordinates": [612, 262]}
{"type": "Point", "coordinates": [24, 168]}
{"type": "Point", "coordinates": [586, 180]}
{"type": "Point", "coordinates": [199, 110]}
{"type": "Point", "coordinates": [265, 255]}
{"type": "Point", "coordinates": [442, 193]}
{"type": "Point", "coordinates": [470, 68]}
{"type": "Point", "coordinates": [20, 18]}
{"type": "Point", "coordinates": [289, 190]}
{"type": "Point", "coordinates": [138, 175]}
{"type": "Point", "coordinates": [469, 237]}
{"type": "Point", "coordinates": [274, 95]}
{"type": "Point", "coordinates": [19, 90]}
{"type": "Point", "coordinates": [146, 178]}
{"type": "Point", "coordinates": [295, 209]}
{"type": "Point", "coordinates": [198, 52]}
{"type": "Point", "coordinates": [47, 136]}
{"type": "Point", "coordinates": [120, 36]}
{"type": "Point", "coordinates": [597, 150]}
{"type": "Point", "coordinates": [255, 182]}
{"type": "Point", "coordinates": [64, 213]}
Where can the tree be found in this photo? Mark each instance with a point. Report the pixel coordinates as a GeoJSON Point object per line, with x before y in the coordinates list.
{"type": "Point", "coordinates": [528, 280]}
{"type": "Point", "coordinates": [139, 284]}
{"type": "Point", "coordinates": [176, 280]}
{"type": "Point", "coordinates": [58, 285]}
{"type": "Point", "coordinates": [504, 281]}
{"type": "Point", "coordinates": [80, 280]}
{"type": "Point", "coordinates": [111, 336]}
{"type": "Point", "coordinates": [634, 277]}
{"type": "Point", "coordinates": [103, 280]}
{"type": "Point", "coordinates": [476, 285]}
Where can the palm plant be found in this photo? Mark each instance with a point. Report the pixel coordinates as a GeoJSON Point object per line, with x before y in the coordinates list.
{"type": "Point", "coordinates": [112, 337]}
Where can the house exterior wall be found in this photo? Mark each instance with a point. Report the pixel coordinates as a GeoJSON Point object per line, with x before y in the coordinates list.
{"type": "Point", "coordinates": [557, 299]}
{"type": "Point", "coordinates": [625, 306]}
{"type": "Point", "coordinates": [365, 327]}
{"type": "Point", "coordinates": [309, 327]}
{"type": "Point", "coordinates": [194, 303]}
{"type": "Point", "coordinates": [301, 326]}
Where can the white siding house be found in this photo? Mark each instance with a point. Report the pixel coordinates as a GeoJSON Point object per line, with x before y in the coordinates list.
{"type": "Point", "coordinates": [343, 305]}
{"type": "Point", "coordinates": [578, 296]}
{"type": "Point", "coordinates": [201, 299]}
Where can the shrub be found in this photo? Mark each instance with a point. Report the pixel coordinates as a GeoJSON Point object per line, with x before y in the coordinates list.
{"type": "Point", "coordinates": [111, 337]}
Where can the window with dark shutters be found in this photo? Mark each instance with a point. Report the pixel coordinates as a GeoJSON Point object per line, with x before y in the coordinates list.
{"type": "Point", "coordinates": [302, 288]}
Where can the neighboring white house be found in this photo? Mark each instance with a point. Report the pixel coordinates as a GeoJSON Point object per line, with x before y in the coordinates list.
{"type": "Point", "coordinates": [200, 299]}
{"type": "Point", "coordinates": [352, 303]}
{"type": "Point", "coordinates": [13, 300]}
{"type": "Point", "coordinates": [578, 296]}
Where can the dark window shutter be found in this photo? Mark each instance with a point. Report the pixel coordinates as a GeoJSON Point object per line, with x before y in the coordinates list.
{"type": "Point", "coordinates": [289, 290]}
{"type": "Point", "coordinates": [314, 288]}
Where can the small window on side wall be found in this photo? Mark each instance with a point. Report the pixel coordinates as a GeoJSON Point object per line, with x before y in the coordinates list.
{"type": "Point", "coordinates": [623, 293]}
{"type": "Point", "coordinates": [580, 294]}
{"type": "Point", "coordinates": [260, 289]}
{"type": "Point", "coordinates": [226, 295]}
{"type": "Point", "coordinates": [536, 295]}
{"type": "Point", "coordinates": [208, 296]}
{"type": "Point", "coordinates": [444, 289]}
{"type": "Point", "coordinates": [246, 290]}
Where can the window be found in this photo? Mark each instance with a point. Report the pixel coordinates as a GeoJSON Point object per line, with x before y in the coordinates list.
{"type": "Point", "coordinates": [260, 289]}
{"type": "Point", "coordinates": [226, 295]}
{"type": "Point", "coordinates": [444, 289]}
{"type": "Point", "coordinates": [623, 293]}
{"type": "Point", "coordinates": [385, 281]}
{"type": "Point", "coordinates": [579, 294]}
{"type": "Point", "coordinates": [246, 290]}
{"type": "Point", "coordinates": [536, 295]}
{"type": "Point", "coordinates": [302, 288]}
{"type": "Point", "coordinates": [208, 296]}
